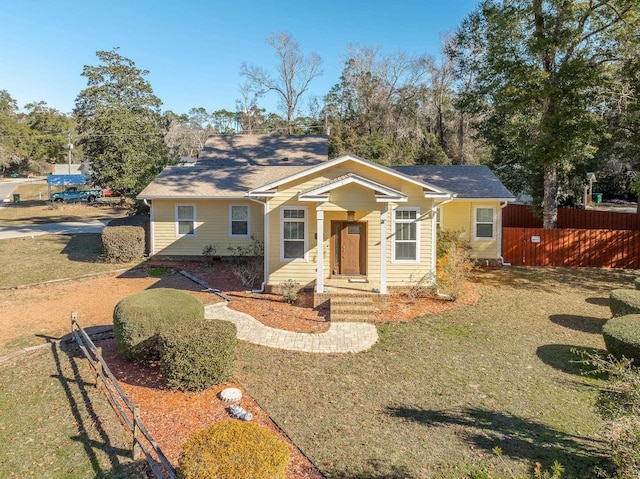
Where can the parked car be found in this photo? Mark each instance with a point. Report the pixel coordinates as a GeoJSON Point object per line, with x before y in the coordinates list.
{"type": "Point", "coordinates": [72, 194]}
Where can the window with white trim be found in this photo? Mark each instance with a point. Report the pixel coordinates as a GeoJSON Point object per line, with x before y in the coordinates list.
{"type": "Point", "coordinates": [239, 221]}
{"type": "Point", "coordinates": [294, 233]}
{"type": "Point", "coordinates": [406, 234]}
{"type": "Point", "coordinates": [484, 223]}
{"type": "Point", "coordinates": [185, 220]}
{"type": "Point", "coordinates": [439, 218]}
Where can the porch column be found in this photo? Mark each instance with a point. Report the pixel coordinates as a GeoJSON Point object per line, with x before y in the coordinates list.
{"type": "Point", "coordinates": [383, 247]}
{"type": "Point", "coordinates": [320, 250]}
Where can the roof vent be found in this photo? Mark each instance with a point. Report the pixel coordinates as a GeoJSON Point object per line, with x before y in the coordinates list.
{"type": "Point", "coordinates": [286, 158]}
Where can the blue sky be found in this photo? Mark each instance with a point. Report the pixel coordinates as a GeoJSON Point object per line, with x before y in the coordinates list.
{"type": "Point", "coordinates": [194, 48]}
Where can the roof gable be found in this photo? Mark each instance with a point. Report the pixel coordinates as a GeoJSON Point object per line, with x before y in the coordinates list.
{"type": "Point", "coordinates": [268, 188]}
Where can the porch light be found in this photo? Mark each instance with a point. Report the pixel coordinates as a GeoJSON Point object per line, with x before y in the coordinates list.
{"type": "Point", "coordinates": [351, 215]}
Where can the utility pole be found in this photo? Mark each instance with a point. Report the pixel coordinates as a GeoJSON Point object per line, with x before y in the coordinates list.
{"type": "Point", "coordinates": [69, 147]}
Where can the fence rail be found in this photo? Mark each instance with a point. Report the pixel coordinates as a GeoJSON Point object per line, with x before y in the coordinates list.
{"type": "Point", "coordinates": [521, 216]}
{"type": "Point", "coordinates": [600, 248]}
{"type": "Point", "coordinates": [143, 442]}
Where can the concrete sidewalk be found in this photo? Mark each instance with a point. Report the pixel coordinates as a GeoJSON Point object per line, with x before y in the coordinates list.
{"type": "Point", "coordinates": [67, 228]}
{"type": "Point", "coordinates": [341, 337]}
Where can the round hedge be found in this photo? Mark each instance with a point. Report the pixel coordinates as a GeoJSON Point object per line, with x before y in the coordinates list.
{"type": "Point", "coordinates": [195, 357]}
{"type": "Point", "coordinates": [140, 318]}
{"type": "Point", "coordinates": [624, 301]}
{"type": "Point", "coordinates": [622, 337]}
{"type": "Point", "coordinates": [636, 283]}
{"type": "Point", "coordinates": [234, 450]}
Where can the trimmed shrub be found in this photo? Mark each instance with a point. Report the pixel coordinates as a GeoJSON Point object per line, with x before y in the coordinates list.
{"type": "Point", "coordinates": [622, 337]}
{"type": "Point", "coordinates": [121, 244]}
{"type": "Point", "coordinates": [139, 318]}
{"type": "Point", "coordinates": [234, 450]}
{"type": "Point", "coordinates": [196, 356]}
{"type": "Point", "coordinates": [636, 283]}
{"type": "Point", "coordinates": [624, 301]}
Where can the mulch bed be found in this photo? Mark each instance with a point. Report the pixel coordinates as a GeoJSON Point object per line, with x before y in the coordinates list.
{"type": "Point", "coordinates": [172, 416]}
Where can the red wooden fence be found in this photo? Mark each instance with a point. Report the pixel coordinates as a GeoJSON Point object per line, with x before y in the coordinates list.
{"type": "Point", "coordinates": [600, 248]}
{"type": "Point", "coordinates": [521, 216]}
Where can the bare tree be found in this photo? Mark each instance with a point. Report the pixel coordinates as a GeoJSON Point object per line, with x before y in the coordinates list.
{"type": "Point", "coordinates": [292, 77]}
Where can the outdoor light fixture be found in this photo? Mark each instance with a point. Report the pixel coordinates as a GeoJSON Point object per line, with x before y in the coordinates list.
{"type": "Point", "coordinates": [351, 215]}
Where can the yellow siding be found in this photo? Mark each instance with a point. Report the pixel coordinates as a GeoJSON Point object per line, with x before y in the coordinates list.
{"type": "Point", "coordinates": [212, 227]}
{"type": "Point", "coordinates": [362, 201]}
{"type": "Point", "coordinates": [458, 215]}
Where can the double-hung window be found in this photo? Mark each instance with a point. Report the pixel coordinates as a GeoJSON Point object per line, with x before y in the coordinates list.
{"type": "Point", "coordinates": [239, 221]}
{"type": "Point", "coordinates": [185, 220]}
{"type": "Point", "coordinates": [294, 233]}
{"type": "Point", "coordinates": [406, 234]}
{"type": "Point", "coordinates": [484, 223]}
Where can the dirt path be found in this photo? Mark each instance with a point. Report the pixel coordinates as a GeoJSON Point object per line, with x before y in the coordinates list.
{"type": "Point", "coordinates": [30, 315]}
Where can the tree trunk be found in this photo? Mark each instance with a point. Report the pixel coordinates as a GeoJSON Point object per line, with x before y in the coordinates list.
{"type": "Point", "coordinates": [550, 201]}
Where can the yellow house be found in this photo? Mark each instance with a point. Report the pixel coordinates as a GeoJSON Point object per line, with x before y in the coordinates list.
{"type": "Point", "coordinates": [322, 219]}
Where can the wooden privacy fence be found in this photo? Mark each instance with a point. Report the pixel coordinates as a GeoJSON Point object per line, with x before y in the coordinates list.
{"type": "Point", "coordinates": [143, 443]}
{"type": "Point", "coordinates": [599, 248]}
{"type": "Point", "coordinates": [521, 216]}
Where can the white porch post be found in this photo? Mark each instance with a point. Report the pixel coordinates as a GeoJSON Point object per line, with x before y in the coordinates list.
{"type": "Point", "coordinates": [383, 247]}
{"type": "Point", "coordinates": [320, 250]}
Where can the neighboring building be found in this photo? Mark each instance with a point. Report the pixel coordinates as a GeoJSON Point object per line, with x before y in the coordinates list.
{"type": "Point", "coordinates": [320, 218]}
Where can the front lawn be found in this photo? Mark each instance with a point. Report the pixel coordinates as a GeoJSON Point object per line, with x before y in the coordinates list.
{"type": "Point", "coordinates": [434, 396]}
{"type": "Point", "coordinates": [42, 258]}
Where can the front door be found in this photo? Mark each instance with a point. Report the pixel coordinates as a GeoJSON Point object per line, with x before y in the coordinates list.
{"type": "Point", "coordinates": [348, 240]}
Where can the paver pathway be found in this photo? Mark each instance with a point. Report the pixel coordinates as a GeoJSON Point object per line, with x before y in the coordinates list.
{"type": "Point", "coordinates": [340, 338]}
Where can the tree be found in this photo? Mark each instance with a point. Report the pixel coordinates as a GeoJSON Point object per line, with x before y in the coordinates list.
{"type": "Point", "coordinates": [293, 75]}
{"type": "Point", "coordinates": [13, 134]}
{"type": "Point", "coordinates": [538, 67]}
{"type": "Point", "coordinates": [49, 133]}
{"type": "Point", "coordinates": [120, 124]}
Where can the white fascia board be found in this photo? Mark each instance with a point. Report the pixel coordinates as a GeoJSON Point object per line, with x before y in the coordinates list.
{"type": "Point", "coordinates": [342, 159]}
{"type": "Point", "coordinates": [506, 200]}
{"type": "Point", "coordinates": [391, 199]}
{"type": "Point", "coordinates": [192, 198]}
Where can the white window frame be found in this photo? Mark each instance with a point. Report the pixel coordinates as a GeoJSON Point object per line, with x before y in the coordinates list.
{"type": "Point", "coordinates": [231, 206]}
{"type": "Point", "coordinates": [284, 220]}
{"type": "Point", "coordinates": [476, 223]}
{"type": "Point", "coordinates": [194, 220]}
{"type": "Point", "coordinates": [417, 240]}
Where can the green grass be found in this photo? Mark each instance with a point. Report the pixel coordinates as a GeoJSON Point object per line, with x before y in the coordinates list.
{"type": "Point", "coordinates": [433, 397]}
{"type": "Point", "coordinates": [55, 424]}
{"type": "Point", "coordinates": [42, 258]}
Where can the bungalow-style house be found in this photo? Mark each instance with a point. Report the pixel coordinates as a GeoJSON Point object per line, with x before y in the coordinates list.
{"type": "Point", "coordinates": [322, 219]}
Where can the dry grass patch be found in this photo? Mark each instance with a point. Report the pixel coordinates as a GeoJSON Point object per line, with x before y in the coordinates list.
{"type": "Point", "coordinates": [434, 396]}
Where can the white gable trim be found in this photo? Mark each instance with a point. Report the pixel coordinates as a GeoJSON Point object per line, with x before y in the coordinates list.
{"type": "Point", "coordinates": [384, 193]}
{"type": "Point", "coordinates": [340, 160]}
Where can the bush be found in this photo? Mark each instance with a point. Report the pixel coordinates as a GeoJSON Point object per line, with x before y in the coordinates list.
{"type": "Point", "coordinates": [234, 450]}
{"type": "Point", "coordinates": [622, 337]}
{"type": "Point", "coordinates": [454, 264]}
{"type": "Point", "coordinates": [195, 357]}
{"type": "Point", "coordinates": [247, 262]}
{"type": "Point", "coordinates": [121, 244]}
{"type": "Point", "coordinates": [138, 319]}
{"type": "Point", "coordinates": [624, 301]}
{"type": "Point", "coordinates": [636, 283]}
{"type": "Point", "coordinates": [289, 290]}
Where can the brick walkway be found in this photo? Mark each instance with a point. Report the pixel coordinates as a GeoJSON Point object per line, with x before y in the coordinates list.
{"type": "Point", "coordinates": [340, 338]}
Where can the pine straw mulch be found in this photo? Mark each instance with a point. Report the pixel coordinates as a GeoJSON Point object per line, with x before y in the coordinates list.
{"type": "Point", "coordinates": [172, 416]}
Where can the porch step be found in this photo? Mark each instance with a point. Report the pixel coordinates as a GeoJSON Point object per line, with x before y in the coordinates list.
{"type": "Point", "coordinates": [352, 308]}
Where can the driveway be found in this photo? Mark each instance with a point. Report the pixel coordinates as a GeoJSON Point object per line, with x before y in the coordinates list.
{"type": "Point", "coordinates": [75, 227]}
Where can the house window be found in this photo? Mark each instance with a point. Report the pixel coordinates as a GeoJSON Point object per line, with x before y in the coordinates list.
{"type": "Point", "coordinates": [185, 220]}
{"type": "Point", "coordinates": [406, 234]}
{"type": "Point", "coordinates": [485, 223]}
{"type": "Point", "coordinates": [439, 218]}
{"type": "Point", "coordinates": [239, 221]}
{"type": "Point", "coordinates": [294, 233]}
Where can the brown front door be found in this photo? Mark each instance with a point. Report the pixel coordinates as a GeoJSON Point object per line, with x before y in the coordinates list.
{"type": "Point", "coordinates": [349, 248]}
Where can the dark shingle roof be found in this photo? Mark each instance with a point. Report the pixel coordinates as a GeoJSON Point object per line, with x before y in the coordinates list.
{"type": "Point", "coordinates": [468, 181]}
{"type": "Point", "coordinates": [233, 150]}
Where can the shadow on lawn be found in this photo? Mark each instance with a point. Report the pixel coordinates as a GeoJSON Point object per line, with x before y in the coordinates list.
{"type": "Point", "coordinates": [565, 358]}
{"type": "Point", "coordinates": [586, 324]}
{"type": "Point", "coordinates": [519, 438]}
{"type": "Point", "coordinates": [73, 385]}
